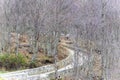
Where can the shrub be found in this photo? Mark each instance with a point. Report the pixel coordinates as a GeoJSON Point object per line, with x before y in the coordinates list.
{"type": "Point", "coordinates": [12, 61]}
{"type": "Point", "coordinates": [34, 64]}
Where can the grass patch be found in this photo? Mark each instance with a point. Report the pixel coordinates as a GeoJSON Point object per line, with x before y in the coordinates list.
{"type": "Point", "coordinates": [12, 61]}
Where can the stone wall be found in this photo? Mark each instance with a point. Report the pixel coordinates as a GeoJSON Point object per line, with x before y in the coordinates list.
{"type": "Point", "coordinates": [63, 72]}
{"type": "Point", "coordinates": [30, 72]}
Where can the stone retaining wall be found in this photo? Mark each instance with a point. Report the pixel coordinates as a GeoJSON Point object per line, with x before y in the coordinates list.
{"type": "Point", "coordinates": [29, 72]}
{"type": "Point", "coordinates": [67, 71]}
{"type": "Point", "coordinates": [45, 72]}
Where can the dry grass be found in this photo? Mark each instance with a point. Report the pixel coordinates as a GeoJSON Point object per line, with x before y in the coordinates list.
{"type": "Point", "coordinates": [42, 58]}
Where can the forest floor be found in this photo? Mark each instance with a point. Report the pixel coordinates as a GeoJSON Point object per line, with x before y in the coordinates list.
{"type": "Point", "coordinates": [24, 48]}
{"type": "Point", "coordinates": [42, 58]}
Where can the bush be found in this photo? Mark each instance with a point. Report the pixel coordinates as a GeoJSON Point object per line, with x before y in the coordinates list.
{"type": "Point", "coordinates": [33, 64]}
{"type": "Point", "coordinates": [12, 61]}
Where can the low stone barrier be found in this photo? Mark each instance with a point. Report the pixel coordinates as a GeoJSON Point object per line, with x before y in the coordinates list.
{"type": "Point", "coordinates": [19, 76]}
{"type": "Point", "coordinates": [29, 72]}
{"type": "Point", "coordinates": [37, 77]}
{"type": "Point", "coordinates": [64, 73]}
